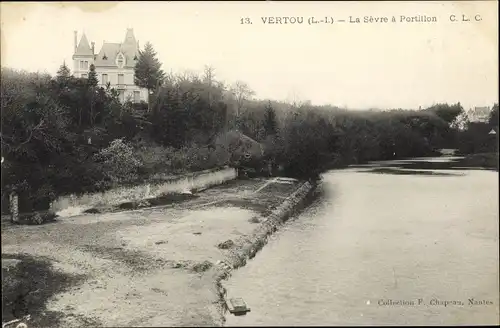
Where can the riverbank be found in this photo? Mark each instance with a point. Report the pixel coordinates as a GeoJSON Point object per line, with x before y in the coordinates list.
{"type": "Point", "coordinates": [149, 267]}
{"type": "Point", "coordinates": [246, 247]}
{"type": "Point", "coordinates": [484, 160]}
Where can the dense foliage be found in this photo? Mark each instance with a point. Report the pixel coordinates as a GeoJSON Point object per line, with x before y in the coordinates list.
{"type": "Point", "coordinates": [65, 135]}
{"type": "Point", "coordinates": [148, 73]}
{"type": "Point", "coordinates": [476, 137]}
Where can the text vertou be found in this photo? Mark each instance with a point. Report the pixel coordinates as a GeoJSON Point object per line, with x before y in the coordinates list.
{"type": "Point", "coordinates": [313, 20]}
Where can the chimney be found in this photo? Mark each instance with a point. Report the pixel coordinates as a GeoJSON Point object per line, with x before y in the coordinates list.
{"type": "Point", "coordinates": [75, 40]}
{"type": "Point", "coordinates": [93, 48]}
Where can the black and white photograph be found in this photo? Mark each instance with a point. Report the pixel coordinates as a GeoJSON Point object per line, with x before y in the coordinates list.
{"type": "Point", "coordinates": [249, 163]}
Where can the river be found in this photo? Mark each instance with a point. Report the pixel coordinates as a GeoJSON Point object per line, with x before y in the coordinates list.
{"type": "Point", "coordinates": [381, 249]}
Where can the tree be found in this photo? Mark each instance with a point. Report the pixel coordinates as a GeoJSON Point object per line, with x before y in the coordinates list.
{"type": "Point", "coordinates": [270, 124]}
{"type": "Point", "coordinates": [214, 92]}
{"type": "Point", "coordinates": [63, 74]}
{"type": "Point", "coordinates": [460, 122]}
{"type": "Point", "coordinates": [209, 74]}
{"type": "Point", "coordinates": [493, 119]}
{"type": "Point", "coordinates": [92, 82]}
{"type": "Point", "coordinates": [242, 92]}
{"type": "Point", "coordinates": [209, 78]}
{"type": "Point", "coordinates": [295, 101]}
{"type": "Point", "coordinates": [92, 79]}
{"type": "Point", "coordinates": [446, 112]}
{"type": "Point", "coordinates": [147, 72]}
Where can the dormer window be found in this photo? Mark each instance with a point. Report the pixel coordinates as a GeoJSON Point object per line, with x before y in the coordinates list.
{"type": "Point", "coordinates": [105, 57]}
{"type": "Point", "coordinates": [120, 60]}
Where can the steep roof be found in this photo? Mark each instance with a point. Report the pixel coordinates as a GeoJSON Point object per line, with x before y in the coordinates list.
{"type": "Point", "coordinates": [482, 110]}
{"type": "Point", "coordinates": [83, 48]}
{"type": "Point", "coordinates": [109, 52]}
{"type": "Point", "coordinates": [479, 114]}
{"type": "Point", "coordinates": [130, 37]}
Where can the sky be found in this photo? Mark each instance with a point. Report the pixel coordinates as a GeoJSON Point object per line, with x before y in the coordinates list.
{"type": "Point", "coordinates": [354, 65]}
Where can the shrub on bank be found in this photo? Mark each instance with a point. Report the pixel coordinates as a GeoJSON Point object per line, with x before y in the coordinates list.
{"type": "Point", "coordinates": [485, 160]}
{"type": "Point", "coordinates": [119, 162]}
{"type": "Point", "coordinates": [158, 160]}
{"type": "Point", "coordinates": [312, 139]}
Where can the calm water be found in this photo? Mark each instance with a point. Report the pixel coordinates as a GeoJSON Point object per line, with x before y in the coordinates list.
{"type": "Point", "coordinates": [375, 238]}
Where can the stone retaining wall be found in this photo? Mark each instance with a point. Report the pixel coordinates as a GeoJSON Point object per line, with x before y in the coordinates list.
{"type": "Point", "coordinates": [74, 205]}
{"type": "Point", "coordinates": [246, 247]}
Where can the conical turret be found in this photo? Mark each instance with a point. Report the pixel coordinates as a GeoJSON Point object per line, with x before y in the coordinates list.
{"type": "Point", "coordinates": [130, 38]}
{"type": "Point", "coordinates": [83, 48]}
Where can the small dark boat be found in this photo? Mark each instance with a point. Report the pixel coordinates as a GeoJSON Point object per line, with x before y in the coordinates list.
{"type": "Point", "coordinates": [237, 306]}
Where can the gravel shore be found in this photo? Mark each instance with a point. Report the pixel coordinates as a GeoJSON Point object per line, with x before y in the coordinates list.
{"type": "Point", "coordinates": [148, 267]}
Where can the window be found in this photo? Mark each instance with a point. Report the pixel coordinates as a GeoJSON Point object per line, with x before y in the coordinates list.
{"type": "Point", "coordinates": [104, 79]}
{"type": "Point", "coordinates": [120, 79]}
{"type": "Point", "coordinates": [137, 96]}
{"type": "Point", "coordinates": [120, 60]}
{"type": "Point", "coordinates": [84, 64]}
{"type": "Point", "coordinates": [84, 75]}
{"type": "Point", "coordinates": [122, 95]}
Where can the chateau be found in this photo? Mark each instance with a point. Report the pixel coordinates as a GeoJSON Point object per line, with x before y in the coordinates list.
{"type": "Point", "coordinates": [114, 64]}
{"type": "Point", "coordinates": [479, 114]}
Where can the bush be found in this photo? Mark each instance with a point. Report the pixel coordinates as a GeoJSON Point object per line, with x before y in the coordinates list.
{"type": "Point", "coordinates": [476, 139]}
{"type": "Point", "coordinates": [119, 162]}
{"type": "Point", "coordinates": [159, 160]}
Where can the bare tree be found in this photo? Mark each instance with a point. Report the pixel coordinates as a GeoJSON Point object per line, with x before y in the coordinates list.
{"type": "Point", "coordinates": [186, 76]}
{"type": "Point", "coordinates": [241, 92]}
{"type": "Point", "coordinates": [209, 79]}
{"type": "Point", "coordinates": [295, 101]}
{"type": "Point", "coordinates": [209, 74]}
{"type": "Point", "coordinates": [170, 78]}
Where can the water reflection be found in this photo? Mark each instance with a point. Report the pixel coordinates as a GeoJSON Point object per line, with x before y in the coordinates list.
{"type": "Point", "coordinates": [371, 237]}
{"type": "Point", "coordinates": [400, 171]}
{"type": "Point", "coordinates": [451, 163]}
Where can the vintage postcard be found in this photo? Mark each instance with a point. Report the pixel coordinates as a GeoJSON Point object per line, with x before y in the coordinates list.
{"type": "Point", "coordinates": [242, 163]}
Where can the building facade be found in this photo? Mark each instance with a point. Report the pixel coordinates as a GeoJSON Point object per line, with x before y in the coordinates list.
{"type": "Point", "coordinates": [479, 114]}
{"type": "Point", "coordinates": [114, 64]}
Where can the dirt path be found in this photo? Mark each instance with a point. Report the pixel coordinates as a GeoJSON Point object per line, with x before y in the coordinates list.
{"type": "Point", "coordinates": [139, 268]}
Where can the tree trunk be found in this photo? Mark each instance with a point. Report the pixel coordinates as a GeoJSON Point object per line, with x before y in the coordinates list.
{"type": "Point", "coordinates": [92, 108]}
{"type": "Point", "coordinates": [14, 207]}
{"type": "Point", "coordinates": [149, 100]}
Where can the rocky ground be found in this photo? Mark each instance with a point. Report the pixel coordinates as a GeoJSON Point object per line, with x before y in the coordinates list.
{"type": "Point", "coordinates": [148, 267]}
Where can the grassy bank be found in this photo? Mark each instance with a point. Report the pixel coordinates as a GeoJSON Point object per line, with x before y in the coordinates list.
{"type": "Point", "coordinates": [484, 160]}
